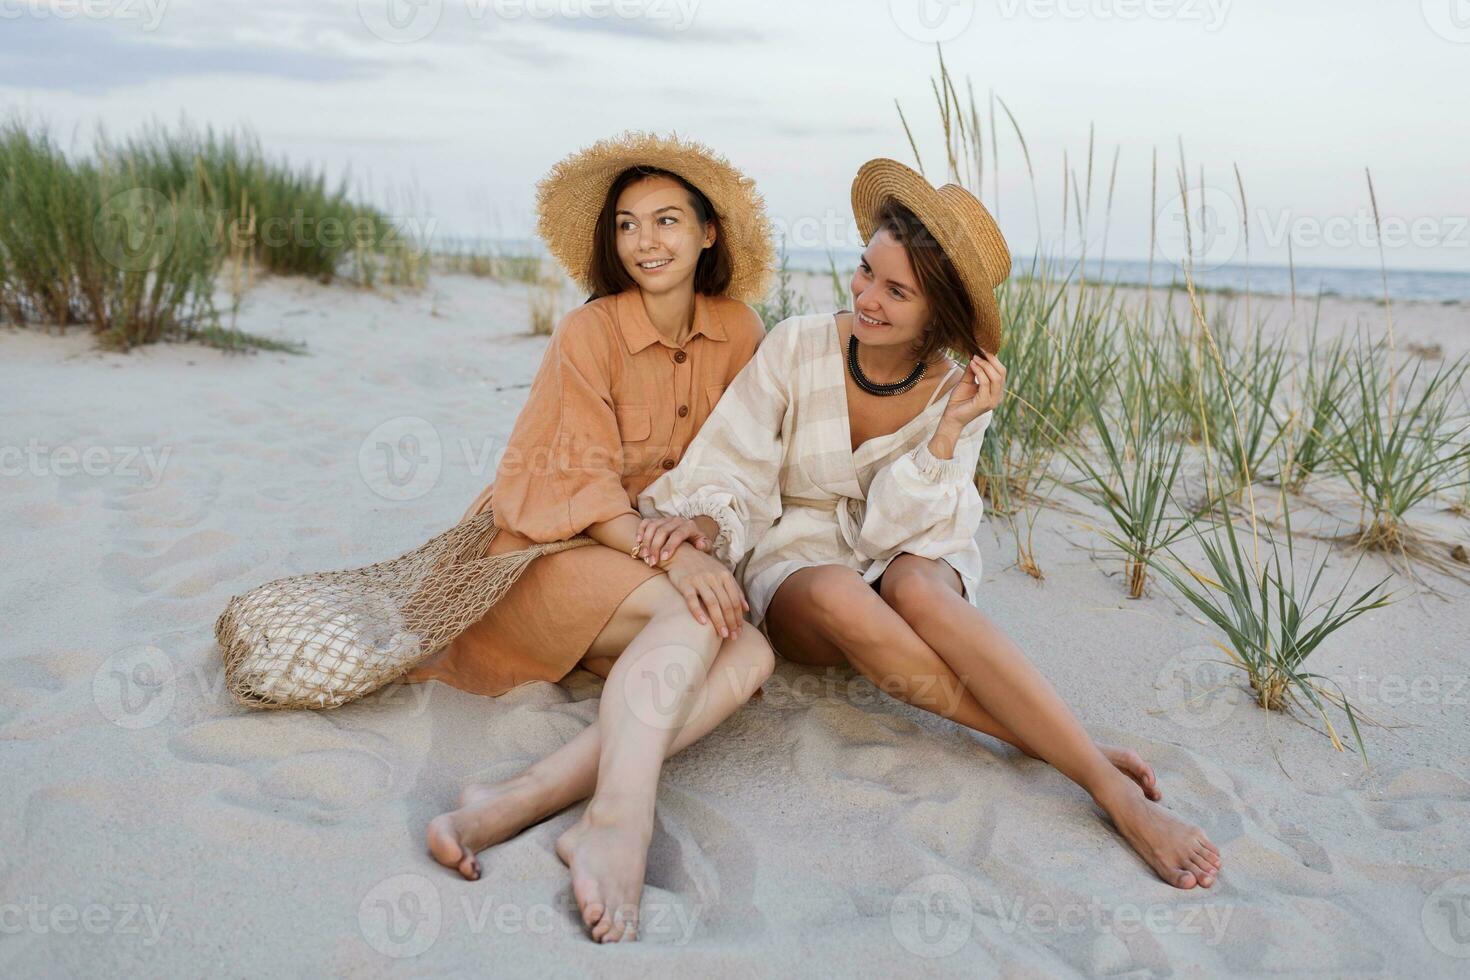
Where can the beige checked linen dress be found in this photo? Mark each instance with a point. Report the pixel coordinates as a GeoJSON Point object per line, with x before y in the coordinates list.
{"type": "Point", "coordinates": [774, 467]}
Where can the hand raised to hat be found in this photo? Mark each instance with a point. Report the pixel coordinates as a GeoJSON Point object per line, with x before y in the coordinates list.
{"type": "Point", "coordinates": [980, 390]}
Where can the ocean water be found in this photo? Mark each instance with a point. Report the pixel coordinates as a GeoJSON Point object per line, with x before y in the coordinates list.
{"type": "Point", "coordinates": [1351, 283]}
{"type": "Point", "coordinates": [1403, 284]}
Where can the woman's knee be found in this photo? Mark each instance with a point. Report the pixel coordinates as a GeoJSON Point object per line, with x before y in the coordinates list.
{"type": "Point", "coordinates": [913, 588]}
{"type": "Point", "coordinates": [745, 663]}
{"type": "Point", "coordinates": [837, 596]}
{"type": "Point", "coordinates": [654, 600]}
{"type": "Point", "coordinates": [662, 600]}
{"type": "Point", "coordinates": [756, 655]}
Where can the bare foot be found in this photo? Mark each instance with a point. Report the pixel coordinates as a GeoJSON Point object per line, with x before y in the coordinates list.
{"type": "Point", "coordinates": [607, 852]}
{"type": "Point", "coordinates": [487, 814]}
{"type": "Point", "coordinates": [1181, 854]}
{"type": "Point", "coordinates": [1131, 764]}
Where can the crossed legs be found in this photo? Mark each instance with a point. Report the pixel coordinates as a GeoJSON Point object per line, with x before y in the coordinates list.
{"type": "Point", "coordinates": [922, 642]}
{"type": "Point", "coordinates": [670, 681]}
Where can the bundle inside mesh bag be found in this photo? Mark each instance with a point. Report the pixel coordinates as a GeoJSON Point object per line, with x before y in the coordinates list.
{"type": "Point", "coordinates": [327, 638]}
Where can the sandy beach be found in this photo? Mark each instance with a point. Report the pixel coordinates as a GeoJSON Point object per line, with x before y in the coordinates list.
{"type": "Point", "coordinates": [154, 827]}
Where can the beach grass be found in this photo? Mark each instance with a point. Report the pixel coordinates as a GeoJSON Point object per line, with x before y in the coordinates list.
{"type": "Point", "coordinates": [1141, 453]}
{"type": "Point", "coordinates": [1270, 620]}
{"type": "Point", "coordinates": [85, 242]}
{"type": "Point", "coordinates": [545, 299]}
{"type": "Point", "coordinates": [1398, 456]}
{"type": "Point", "coordinates": [783, 300]}
{"type": "Point", "coordinates": [130, 239]}
{"type": "Point", "coordinates": [1314, 430]}
{"type": "Point", "coordinates": [1140, 403]}
{"type": "Point", "coordinates": [1247, 428]}
{"type": "Point", "coordinates": [490, 261]}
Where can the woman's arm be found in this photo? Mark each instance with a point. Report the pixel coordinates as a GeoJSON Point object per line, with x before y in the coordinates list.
{"type": "Point", "coordinates": [925, 502]}
{"type": "Point", "coordinates": [561, 473]}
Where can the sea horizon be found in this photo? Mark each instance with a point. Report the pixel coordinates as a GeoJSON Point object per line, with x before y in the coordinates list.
{"type": "Point", "coordinates": [1449, 287]}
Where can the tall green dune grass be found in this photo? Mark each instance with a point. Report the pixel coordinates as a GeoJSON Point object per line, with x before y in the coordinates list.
{"type": "Point", "coordinates": [129, 239]}
{"type": "Point", "coordinates": [1173, 415]}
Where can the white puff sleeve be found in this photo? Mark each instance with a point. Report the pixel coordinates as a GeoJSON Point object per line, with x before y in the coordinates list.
{"type": "Point", "coordinates": [923, 505]}
{"type": "Point", "coordinates": [731, 470]}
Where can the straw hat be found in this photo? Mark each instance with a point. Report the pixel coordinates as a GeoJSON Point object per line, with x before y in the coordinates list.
{"type": "Point", "coordinates": [570, 198]}
{"type": "Point", "coordinates": [960, 224]}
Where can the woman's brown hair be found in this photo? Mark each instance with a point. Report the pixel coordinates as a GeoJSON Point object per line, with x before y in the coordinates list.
{"type": "Point", "coordinates": [953, 315]}
{"type": "Point", "coordinates": [608, 275]}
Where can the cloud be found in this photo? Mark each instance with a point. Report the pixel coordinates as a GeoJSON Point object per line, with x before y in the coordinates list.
{"type": "Point", "coordinates": [52, 54]}
{"type": "Point", "coordinates": [673, 29]}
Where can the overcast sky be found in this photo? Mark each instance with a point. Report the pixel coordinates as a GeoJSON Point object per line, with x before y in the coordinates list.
{"type": "Point", "coordinates": [469, 101]}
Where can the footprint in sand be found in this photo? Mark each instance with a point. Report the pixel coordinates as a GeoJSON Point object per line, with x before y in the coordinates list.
{"type": "Point", "coordinates": [1413, 799]}
{"type": "Point", "coordinates": [294, 764]}
{"type": "Point", "coordinates": [145, 574]}
{"type": "Point", "coordinates": [701, 874]}
{"type": "Point", "coordinates": [1312, 854]}
{"type": "Point", "coordinates": [28, 682]}
{"type": "Point", "coordinates": [854, 754]}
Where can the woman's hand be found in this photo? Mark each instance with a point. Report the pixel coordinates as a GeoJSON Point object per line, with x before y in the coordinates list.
{"type": "Point", "coordinates": [710, 590]}
{"type": "Point", "coordinates": [979, 391]}
{"type": "Point", "coordinates": [659, 537]}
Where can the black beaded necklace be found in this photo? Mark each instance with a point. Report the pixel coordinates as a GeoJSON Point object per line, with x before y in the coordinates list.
{"type": "Point", "coordinates": [873, 387]}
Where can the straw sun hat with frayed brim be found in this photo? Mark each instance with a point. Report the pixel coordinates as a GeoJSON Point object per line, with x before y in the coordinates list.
{"type": "Point", "coordinates": [569, 200]}
{"type": "Point", "coordinates": [959, 223]}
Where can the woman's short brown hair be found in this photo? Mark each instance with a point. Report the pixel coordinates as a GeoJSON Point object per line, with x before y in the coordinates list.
{"type": "Point", "coordinates": [952, 314]}
{"type": "Point", "coordinates": [609, 276]}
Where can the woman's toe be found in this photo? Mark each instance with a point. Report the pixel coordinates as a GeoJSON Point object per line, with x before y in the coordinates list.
{"type": "Point", "coordinates": [1204, 875]}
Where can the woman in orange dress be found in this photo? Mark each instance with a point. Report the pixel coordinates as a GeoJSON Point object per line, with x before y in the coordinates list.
{"type": "Point", "coordinates": [669, 239]}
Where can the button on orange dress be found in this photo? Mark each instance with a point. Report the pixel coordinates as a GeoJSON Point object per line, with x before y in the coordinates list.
{"type": "Point", "coordinates": [612, 408]}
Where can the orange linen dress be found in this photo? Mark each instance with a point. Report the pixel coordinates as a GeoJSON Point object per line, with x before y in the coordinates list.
{"type": "Point", "coordinates": [612, 408]}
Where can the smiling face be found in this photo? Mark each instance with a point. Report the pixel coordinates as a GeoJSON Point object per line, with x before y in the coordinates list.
{"type": "Point", "coordinates": [889, 308]}
{"type": "Point", "coordinates": [659, 234]}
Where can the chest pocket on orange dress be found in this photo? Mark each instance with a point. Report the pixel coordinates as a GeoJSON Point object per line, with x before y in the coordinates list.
{"type": "Point", "coordinates": [713, 393]}
{"type": "Point", "coordinates": [635, 425]}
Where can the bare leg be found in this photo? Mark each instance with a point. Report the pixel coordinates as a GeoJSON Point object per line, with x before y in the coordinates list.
{"type": "Point", "coordinates": [654, 686]}
{"type": "Point", "coordinates": [491, 813]}
{"type": "Point", "coordinates": [889, 642]}
{"type": "Point", "coordinates": [925, 680]}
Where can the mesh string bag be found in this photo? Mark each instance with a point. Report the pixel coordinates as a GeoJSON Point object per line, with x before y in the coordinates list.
{"type": "Point", "coordinates": [327, 638]}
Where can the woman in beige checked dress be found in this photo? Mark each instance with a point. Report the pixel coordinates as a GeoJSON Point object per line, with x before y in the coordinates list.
{"type": "Point", "coordinates": [837, 476]}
